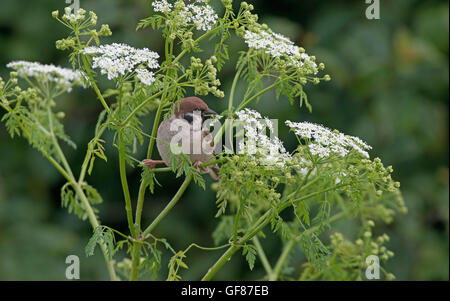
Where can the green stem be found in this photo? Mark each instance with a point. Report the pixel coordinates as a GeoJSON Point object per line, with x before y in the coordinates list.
{"type": "Point", "coordinates": [209, 163]}
{"type": "Point", "coordinates": [236, 223]}
{"type": "Point", "coordinates": [233, 87]}
{"type": "Point", "coordinates": [289, 203]}
{"type": "Point", "coordinates": [89, 74]}
{"type": "Point", "coordinates": [94, 85]}
{"type": "Point", "coordinates": [94, 223]}
{"type": "Point", "coordinates": [205, 248]}
{"type": "Point", "coordinates": [257, 95]}
{"type": "Point", "coordinates": [228, 125]}
{"type": "Point", "coordinates": [126, 191]}
{"type": "Point", "coordinates": [140, 204]}
{"type": "Point", "coordinates": [143, 185]}
{"type": "Point", "coordinates": [162, 169]}
{"type": "Point", "coordinates": [169, 206]}
{"type": "Point", "coordinates": [219, 263]}
{"type": "Point", "coordinates": [56, 145]}
{"type": "Point", "coordinates": [282, 260]}
{"type": "Point", "coordinates": [262, 256]}
{"type": "Point", "coordinates": [136, 258]}
{"type": "Point", "coordinates": [154, 130]}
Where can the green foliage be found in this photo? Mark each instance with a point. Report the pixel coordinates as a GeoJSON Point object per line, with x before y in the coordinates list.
{"type": "Point", "coordinates": [181, 164]}
{"type": "Point", "coordinates": [348, 259]}
{"type": "Point", "coordinates": [71, 199]}
{"type": "Point", "coordinates": [105, 235]}
{"type": "Point", "coordinates": [249, 252]}
{"type": "Point", "coordinates": [174, 264]}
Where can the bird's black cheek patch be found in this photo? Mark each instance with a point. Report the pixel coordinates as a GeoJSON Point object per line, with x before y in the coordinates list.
{"type": "Point", "coordinates": [188, 117]}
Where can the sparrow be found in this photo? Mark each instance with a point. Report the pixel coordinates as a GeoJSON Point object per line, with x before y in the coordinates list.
{"type": "Point", "coordinates": [185, 125]}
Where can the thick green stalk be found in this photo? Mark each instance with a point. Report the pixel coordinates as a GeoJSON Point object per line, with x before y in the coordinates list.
{"type": "Point", "coordinates": [136, 258]}
{"type": "Point", "coordinates": [236, 223]}
{"type": "Point", "coordinates": [140, 205]}
{"type": "Point", "coordinates": [126, 191]}
{"type": "Point", "coordinates": [169, 206]}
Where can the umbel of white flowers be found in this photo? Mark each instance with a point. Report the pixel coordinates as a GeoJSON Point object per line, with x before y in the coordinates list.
{"type": "Point", "coordinates": [199, 13]}
{"type": "Point", "coordinates": [119, 59]}
{"type": "Point", "coordinates": [63, 78]}
{"type": "Point", "coordinates": [278, 45]}
{"type": "Point", "coordinates": [323, 142]}
{"type": "Point", "coordinates": [267, 150]}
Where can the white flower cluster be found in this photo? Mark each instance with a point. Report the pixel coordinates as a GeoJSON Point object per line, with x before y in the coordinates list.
{"type": "Point", "coordinates": [268, 150]}
{"type": "Point", "coordinates": [146, 77]}
{"type": "Point", "coordinates": [324, 142]}
{"type": "Point", "coordinates": [278, 45]}
{"type": "Point", "coordinates": [162, 6]}
{"type": "Point", "coordinates": [118, 59]}
{"type": "Point", "coordinates": [63, 78]}
{"type": "Point", "coordinates": [199, 13]}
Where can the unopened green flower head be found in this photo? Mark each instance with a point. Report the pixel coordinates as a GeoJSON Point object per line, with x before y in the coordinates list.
{"type": "Point", "coordinates": [105, 31]}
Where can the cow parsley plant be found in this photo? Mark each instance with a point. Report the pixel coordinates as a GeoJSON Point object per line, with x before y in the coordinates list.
{"type": "Point", "coordinates": [264, 191]}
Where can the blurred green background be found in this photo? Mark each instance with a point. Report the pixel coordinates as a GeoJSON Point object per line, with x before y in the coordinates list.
{"type": "Point", "coordinates": [389, 86]}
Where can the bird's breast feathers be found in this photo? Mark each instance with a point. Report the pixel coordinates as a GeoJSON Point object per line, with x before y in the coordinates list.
{"type": "Point", "coordinates": [177, 134]}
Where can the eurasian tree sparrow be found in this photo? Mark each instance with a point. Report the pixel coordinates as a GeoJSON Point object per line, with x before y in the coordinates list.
{"type": "Point", "coordinates": [185, 125]}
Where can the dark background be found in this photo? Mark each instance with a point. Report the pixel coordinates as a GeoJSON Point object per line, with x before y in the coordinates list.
{"type": "Point", "coordinates": [389, 86]}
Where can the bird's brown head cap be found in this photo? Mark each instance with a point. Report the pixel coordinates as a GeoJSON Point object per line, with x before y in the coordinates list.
{"type": "Point", "coordinates": [189, 104]}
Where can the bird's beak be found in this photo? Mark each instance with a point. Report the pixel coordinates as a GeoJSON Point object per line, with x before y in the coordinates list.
{"type": "Point", "coordinates": [209, 112]}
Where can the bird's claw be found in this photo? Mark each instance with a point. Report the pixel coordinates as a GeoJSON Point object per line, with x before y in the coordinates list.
{"type": "Point", "coordinates": [151, 163]}
{"type": "Point", "coordinates": [197, 165]}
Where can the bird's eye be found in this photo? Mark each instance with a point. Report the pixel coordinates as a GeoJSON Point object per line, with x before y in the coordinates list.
{"type": "Point", "coordinates": [188, 117]}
